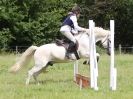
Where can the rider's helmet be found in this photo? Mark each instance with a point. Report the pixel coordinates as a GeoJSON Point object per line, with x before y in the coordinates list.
{"type": "Point", "coordinates": [76, 9]}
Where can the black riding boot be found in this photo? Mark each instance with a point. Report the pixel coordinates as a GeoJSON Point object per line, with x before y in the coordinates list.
{"type": "Point", "coordinates": [72, 49]}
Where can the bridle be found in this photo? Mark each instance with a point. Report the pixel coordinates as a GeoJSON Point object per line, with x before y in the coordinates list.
{"type": "Point", "coordinates": [108, 41]}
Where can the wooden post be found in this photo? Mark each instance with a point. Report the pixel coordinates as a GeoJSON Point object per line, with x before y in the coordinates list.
{"type": "Point", "coordinates": [120, 47]}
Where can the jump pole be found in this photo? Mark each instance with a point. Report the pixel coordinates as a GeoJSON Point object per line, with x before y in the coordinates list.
{"type": "Point", "coordinates": [93, 60]}
{"type": "Point", "coordinates": [113, 70]}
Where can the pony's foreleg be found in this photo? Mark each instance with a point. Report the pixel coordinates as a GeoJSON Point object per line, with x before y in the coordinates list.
{"type": "Point", "coordinates": [88, 61]}
{"type": "Point", "coordinates": [98, 56]}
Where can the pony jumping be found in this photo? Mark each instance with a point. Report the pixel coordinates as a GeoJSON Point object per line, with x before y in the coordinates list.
{"type": "Point", "coordinates": [52, 53]}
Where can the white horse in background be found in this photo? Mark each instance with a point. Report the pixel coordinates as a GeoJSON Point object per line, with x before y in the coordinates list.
{"type": "Point", "coordinates": [48, 53]}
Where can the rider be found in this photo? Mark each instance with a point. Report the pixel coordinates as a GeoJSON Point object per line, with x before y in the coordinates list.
{"type": "Point", "coordinates": [69, 26]}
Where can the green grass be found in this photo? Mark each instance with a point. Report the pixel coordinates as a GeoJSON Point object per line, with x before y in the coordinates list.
{"type": "Point", "coordinates": [58, 83]}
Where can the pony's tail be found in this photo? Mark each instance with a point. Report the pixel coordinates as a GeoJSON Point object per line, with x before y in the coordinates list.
{"type": "Point", "coordinates": [24, 59]}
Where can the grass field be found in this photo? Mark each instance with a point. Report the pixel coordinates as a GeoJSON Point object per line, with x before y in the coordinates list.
{"type": "Point", "coordinates": [58, 83]}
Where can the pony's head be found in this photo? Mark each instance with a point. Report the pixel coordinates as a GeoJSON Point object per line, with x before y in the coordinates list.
{"type": "Point", "coordinates": [103, 36]}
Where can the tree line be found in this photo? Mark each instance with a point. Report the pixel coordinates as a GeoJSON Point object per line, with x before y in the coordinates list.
{"type": "Point", "coordinates": [36, 22]}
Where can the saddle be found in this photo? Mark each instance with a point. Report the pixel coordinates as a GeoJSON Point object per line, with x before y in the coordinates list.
{"type": "Point", "coordinates": [67, 45]}
{"type": "Point", "coordinates": [62, 43]}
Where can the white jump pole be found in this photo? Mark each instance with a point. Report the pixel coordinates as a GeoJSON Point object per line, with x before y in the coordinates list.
{"type": "Point", "coordinates": [93, 60]}
{"type": "Point", "coordinates": [75, 69]}
{"type": "Point", "coordinates": [91, 55]}
{"type": "Point", "coordinates": [113, 70]}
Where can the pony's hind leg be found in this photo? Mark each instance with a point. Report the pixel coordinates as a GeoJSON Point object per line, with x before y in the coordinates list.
{"type": "Point", "coordinates": [31, 73]}
{"type": "Point", "coordinates": [35, 76]}
{"type": "Point", "coordinates": [35, 71]}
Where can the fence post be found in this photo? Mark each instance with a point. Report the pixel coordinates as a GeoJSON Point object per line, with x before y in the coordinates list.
{"type": "Point", "coordinates": [16, 50]}
{"type": "Point", "coordinates": [120, 48]}
{"type": "Point", "coordinates": [132, 49]}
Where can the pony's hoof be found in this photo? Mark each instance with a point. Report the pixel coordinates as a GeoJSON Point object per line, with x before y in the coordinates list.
{"type": "Point", "coordinates": [86, 62]}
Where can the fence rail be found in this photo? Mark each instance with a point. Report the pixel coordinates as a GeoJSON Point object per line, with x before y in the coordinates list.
{"type": "Point", "coordinates": [14, 49]}
{"type": "Point", "coordinates": [120, 48]}
{"type": "Point", "coordinates": [125, 49]}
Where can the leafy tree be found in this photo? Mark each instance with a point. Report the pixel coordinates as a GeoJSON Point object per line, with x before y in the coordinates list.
{"type": "Point", "coordinates": [5, 39]}
{"type": "Point", "coordinates": [24, 22]}
{"type": "Point", "coordinates": [101, 11]}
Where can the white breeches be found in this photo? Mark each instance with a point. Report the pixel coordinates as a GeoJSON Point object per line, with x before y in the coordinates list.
{"type": "Point", "coordinates": [66, 31]}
